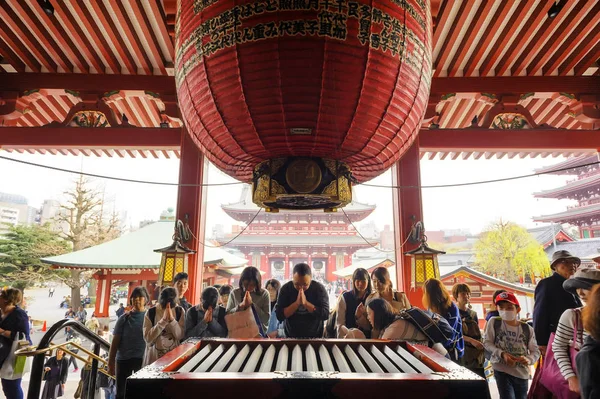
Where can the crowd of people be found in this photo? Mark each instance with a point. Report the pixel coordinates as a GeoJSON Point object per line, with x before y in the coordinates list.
{"type": "Point", "coordinates": [373, 309]}
{"type": "Point", "coordinates": [566, 321]}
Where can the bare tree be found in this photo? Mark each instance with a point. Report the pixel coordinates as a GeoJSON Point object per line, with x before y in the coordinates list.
{"type": "Point", "coordinates": [83, 214]}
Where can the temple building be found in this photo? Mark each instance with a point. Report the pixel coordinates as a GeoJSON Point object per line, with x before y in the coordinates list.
{"type": "Point", "coordinates": [275, 242]}
{"type": "Point", "coordinates": [584, 188]}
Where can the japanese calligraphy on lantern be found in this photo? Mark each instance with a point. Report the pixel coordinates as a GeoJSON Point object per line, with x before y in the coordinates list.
{"type": "Point", "coordinates": [336, 19]}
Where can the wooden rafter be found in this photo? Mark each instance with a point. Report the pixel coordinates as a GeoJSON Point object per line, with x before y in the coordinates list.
{"type": "Point", "coordinates": [108, 27]}
{"type": "Point", "coordinates": [542, 36]}
{"type": "Point", "coordinates": [578, 37]}
{"type": "Point", "coordinates": [79, 37]}
{"type": "Point", "coordinates": [12, 34]}
{"type": "Point", "coordinates": [452, 36]}
{"type": "Point", "coordinates": [488, 38]}
{"type": "Point", "coordinates": [578, 17]}
{"type": "Point", "coordinates": [35, 26]}
{"type": "Point", "coordinates": [61, 37]}
{"type": "Point", "coordinates": [470, 37]}
{"type": "Point", "coordinates": [80, 9]}
{"type": "Point", "coordinates": [132, 37]}
{"type": "Point", "coordinates": [148, 34]}
{"type": "Point", "coordinates": [539, 15]}
{"type": "Point", "coordinates": [514, 24]}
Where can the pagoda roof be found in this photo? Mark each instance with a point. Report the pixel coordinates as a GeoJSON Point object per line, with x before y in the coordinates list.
{"type": "Point", "coordinates": [572, 162]}
{"type": "Point", "coordinates": [545, 234]}
{"type": "Point", "coordinates": [245, 205]}
{"type": "Point", "coordinates": [135, 251]}
{"type": "Point", "coordinates": [297, 240]}
{"type": "Point", "coordinates": [492, 281]}
{"type": "Point", "coordinates": [578, 215]}
{"type": "Point", "coordinates": [570, 188]}
{"type": "Point", "coordinates": [367, 264]}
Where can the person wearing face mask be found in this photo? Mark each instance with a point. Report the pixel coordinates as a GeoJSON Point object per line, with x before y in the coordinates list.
{"type": "Point", "coordinates": [251, 294]}
{"type": "Point", "coordinates": [580, 284]}
{"type": "Point", "coordinates": [551, 300]}
{"type": "Point", "coordinates": [303, 305]}
{"type": "Point", "coordinates": [382, 288]}
{"type": "Point", "coordinates": [208, 319]}
{"type": "Point", "coordinates": [512, 346]}
{"type": "Point", "coordinates": [128, 345]}
{"type": "Point", "coordinates": [347, 307]}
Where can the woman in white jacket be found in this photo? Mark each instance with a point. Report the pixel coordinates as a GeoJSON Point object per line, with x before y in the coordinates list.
{"type": "Point", "coordinates": [164, 326]}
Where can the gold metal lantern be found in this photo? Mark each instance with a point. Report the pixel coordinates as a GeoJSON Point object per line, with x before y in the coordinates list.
{"type": "Point", "coordinates": [174, 260]}
{"type": "Point", "coordinates": [424, 262]}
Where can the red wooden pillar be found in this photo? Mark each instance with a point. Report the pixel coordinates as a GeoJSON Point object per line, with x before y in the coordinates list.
{"type": "Point", "coordinates": [286, 266]}
{"type": "Point", "coordinates": [103, 294]}
{"type": "Point", "coordinates": [331, 267]}
{"type": "Point", "coordinates": [191, 202]}
{"type": "Point", "coordinates": [309, 261]}
{"type": "Point", "coordinates": [408, 209]}
{"type": "Point", "coordinates": [265, 266]}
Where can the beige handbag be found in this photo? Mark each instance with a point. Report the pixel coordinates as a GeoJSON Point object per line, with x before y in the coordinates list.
{"type": "Point", "coordinates": [242, 324]}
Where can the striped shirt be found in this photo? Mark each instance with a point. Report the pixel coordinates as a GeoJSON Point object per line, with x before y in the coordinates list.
{"type": "Point", "coordinates": [563, 339]}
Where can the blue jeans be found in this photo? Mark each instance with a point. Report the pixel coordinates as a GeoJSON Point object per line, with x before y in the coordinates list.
{"type": "Point", "coordinates": [511, 387]}
{"type": "Point", "coordinates": [12, 389]}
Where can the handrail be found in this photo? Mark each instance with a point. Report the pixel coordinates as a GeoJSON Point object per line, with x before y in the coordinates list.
{"type": "Point", "coordinates": [37, 367]}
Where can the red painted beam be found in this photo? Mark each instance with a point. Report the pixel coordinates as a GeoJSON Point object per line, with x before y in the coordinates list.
{"type": "Point", "coordinates": [81, 137]}
{"type": "Point", "coordinates": [521, 84]}
{"type": "Point", "coordinates": [480, 139]}
{"type": "Point", "coordinates": [162, 85]}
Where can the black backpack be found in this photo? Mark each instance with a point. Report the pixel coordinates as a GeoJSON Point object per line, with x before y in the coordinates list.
{"type": "Point", "coordinates": [152, 314]}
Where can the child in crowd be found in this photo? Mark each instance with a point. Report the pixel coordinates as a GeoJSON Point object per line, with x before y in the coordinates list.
{"type": "Point", "coordinates": [512, 346]}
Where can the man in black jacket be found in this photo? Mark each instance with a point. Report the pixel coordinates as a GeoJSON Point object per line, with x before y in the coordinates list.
{"type": "Point", "coordinates": [551, 300]}
{"type": "Point", "coordinates": [302, 305]}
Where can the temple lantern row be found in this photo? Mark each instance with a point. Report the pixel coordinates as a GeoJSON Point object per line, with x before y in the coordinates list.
{"type": "Point", "coordinates": [303, 98]}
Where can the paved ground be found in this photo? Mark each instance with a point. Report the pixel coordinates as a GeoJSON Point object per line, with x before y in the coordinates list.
{"type": "Point", "coordinates": [41, 307]}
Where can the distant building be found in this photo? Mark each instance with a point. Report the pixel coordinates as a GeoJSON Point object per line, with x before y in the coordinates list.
{"type": "Point", "coordinates": [275, 242]}
{"type": "Point", "coordinates": [15, 210]}
{"type": "Point", "coordinates": [50, 213]}
{"type": "Point", "coordinates": [584, 188]}
{"type": "Point", "coordinates": [369, 229]}
{"type": "Point", "coordinates": [386, 238]}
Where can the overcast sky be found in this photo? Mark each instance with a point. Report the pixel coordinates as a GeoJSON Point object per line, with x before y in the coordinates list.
{"type": "Point", "coordinates": [472, 207]}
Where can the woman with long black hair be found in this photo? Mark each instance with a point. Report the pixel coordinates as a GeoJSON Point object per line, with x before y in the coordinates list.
{"type": "Point", "coordinates": [251, 294]}
{"type": "Point", "coordinates": [275, 329]}
{"type": "Point", "coordinates": [437, 300]}
{"type": "Point", "coordinates": [350, 301]}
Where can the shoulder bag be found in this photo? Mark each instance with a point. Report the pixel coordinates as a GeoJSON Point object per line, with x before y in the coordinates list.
{"type": "Point", "coordinates": [551, 376]}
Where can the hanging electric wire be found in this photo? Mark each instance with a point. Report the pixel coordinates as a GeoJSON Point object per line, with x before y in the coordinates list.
{"type": "Point", "coordinates": [236, 183]}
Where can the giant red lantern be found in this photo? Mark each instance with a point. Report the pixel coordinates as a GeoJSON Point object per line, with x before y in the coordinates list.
{"type": "Point", "coordinates": [302, 97]}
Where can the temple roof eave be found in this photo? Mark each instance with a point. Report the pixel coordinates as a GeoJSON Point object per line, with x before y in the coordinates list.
{"type": "Point", "coordinates": [568, 163]}
{"type": "Point", "coordinates": [570, 188]}
{"type": "Point", "coordinates": [578, 215]}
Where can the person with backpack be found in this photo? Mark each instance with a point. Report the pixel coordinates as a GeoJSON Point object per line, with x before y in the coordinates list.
{"type": "Point", "coordinates": [384, 318]}
{"type": "Point", "coordinates": [128, 346]}
{"type": "Point", "coordinates": [437, 300]}
{"type": "Point", "coordinates": [349, 302]}
{"type": "Point", "coordinates": [164, 326]}
{"type": "Point", "coordinates": [512, 346]}
{"type": "Point", "coordinates": [382, 288]}
{"type": "Point", "coordinates": [207, 319]}
{"type": "Point", "coordinates": [473, 357]}
{"type": "Point", "coordinates": [570, 326]}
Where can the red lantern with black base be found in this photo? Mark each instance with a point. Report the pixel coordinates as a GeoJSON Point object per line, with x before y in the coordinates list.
{"type": "Point", "coordinates": [343, 81]}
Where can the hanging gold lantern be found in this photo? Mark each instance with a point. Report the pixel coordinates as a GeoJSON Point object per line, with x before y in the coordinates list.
{"type": "Point", "coordinates": [424, 263]}
{"type": "Point", "coordinates": [174, 260]}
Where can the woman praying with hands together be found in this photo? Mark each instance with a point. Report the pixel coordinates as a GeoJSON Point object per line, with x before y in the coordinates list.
{"type": "Point", "coordinates": [250, 293]}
